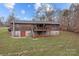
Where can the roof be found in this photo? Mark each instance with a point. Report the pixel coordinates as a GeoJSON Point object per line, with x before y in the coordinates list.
{"type": "Point", "coordinates": [35, 22]}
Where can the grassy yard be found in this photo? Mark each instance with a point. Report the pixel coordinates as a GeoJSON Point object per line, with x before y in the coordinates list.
{"type": "Point", "coordinates": [67, 43]}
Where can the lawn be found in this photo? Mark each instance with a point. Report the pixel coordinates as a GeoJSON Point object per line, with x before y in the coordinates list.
{"type": "Point", "coordinates": [65, 44]}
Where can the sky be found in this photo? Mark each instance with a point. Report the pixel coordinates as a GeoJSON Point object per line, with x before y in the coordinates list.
{"type": "Point", "coordinates": [26, 11]}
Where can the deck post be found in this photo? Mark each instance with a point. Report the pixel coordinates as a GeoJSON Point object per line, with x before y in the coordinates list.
{"type": "Point", "coordinates": [13, 28]}
{"type": "Point", "coordinates": [32, 31]}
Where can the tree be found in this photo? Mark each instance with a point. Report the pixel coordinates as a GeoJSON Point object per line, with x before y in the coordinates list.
{"type": "Point", "coordinates": [1, 19]}
{"type": "Point", "coordinates": [74, 17]}
{"type": "Point", "coordinates": [44, 13]}
{"type": "Point", "coordinates": [11, 18]}
{"type": "Point", "coordinates": [65, 19]}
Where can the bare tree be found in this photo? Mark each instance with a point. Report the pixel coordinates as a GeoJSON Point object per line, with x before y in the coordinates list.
{"type": "Point", "coordinates": [10, 18]}
{"type": "Point", "coordinates": [65, 20]}
{"type": "Point", "coordinates": [1, 19]}
{"type": "Point", "coordinates": [44, 13]}
{"type": "Point", "coordinates": [74, 17]}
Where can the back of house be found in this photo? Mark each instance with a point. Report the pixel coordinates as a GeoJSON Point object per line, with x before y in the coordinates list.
{"type": "Point", "coordinates": [34, 28]}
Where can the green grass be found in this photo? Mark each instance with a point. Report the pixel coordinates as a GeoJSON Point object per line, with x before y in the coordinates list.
{"type": "Point", "coordinates": [65, 44]}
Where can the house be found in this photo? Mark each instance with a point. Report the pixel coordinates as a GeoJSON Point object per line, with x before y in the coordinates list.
{"type": "Point", "coordinates": [34, 28]}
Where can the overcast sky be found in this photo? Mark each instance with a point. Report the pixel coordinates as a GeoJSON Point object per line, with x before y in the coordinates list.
{"type": "Point", "coordinates": [26, 10]}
